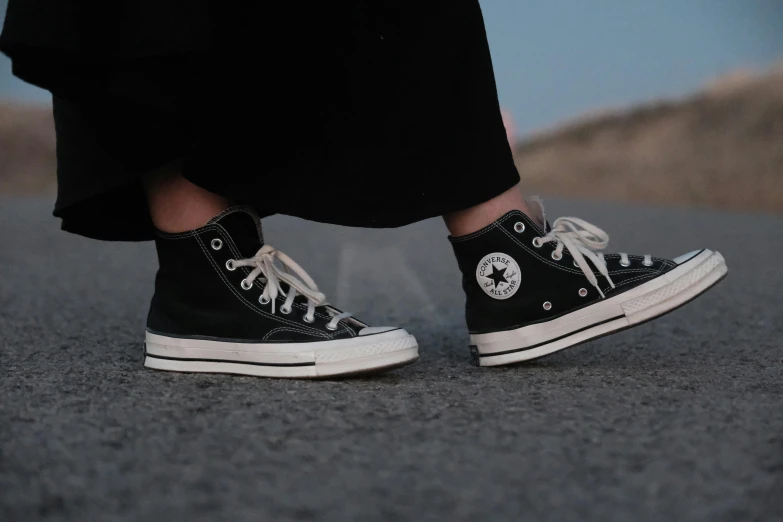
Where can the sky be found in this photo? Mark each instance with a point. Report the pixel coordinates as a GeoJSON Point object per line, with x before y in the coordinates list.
{"type": "Point", "coordinates": [556, 59]}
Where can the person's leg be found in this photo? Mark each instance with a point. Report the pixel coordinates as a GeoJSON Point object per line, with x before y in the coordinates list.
{"type": "Point", "coordinates": [471, 219]}
{"type": "Point", "coordinates": [176, 204]}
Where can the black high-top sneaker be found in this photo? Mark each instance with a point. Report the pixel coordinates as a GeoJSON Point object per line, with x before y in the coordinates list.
{"type": "Point", "coordinates": [533, 290]}
{"type": "Point", "coordinates": [227, 303]}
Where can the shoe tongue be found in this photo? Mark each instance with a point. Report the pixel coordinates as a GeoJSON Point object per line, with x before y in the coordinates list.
{"type": "Point", "coordinates": [244, 226]}
{"type": "Point", "coordinates": [537, 213]}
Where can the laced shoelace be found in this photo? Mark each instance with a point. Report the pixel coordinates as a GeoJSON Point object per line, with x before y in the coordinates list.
{"type": "Point", "coordinates": [583, 240]}
{"type": "Point", "coordinates": [264, 265]}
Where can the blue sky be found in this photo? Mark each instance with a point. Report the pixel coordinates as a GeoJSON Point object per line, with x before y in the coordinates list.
{"type": "Point", "coordinates": [558, 58]}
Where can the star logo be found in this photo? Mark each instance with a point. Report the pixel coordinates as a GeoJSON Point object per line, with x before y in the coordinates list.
{"type": "Point", "coordinates": [498, 275]}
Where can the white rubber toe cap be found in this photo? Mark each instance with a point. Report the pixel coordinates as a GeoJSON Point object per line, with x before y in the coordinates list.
{"type": "Point", "coordinates": [371, 330]}
{"type": "Point", "coordinates": [686, 257]}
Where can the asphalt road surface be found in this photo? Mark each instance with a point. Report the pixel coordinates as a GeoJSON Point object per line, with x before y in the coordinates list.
{"type": "Point", "coordinates": [678, 419]}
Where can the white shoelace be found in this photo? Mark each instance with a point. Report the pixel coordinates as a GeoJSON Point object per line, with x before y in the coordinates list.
{"type": "Point", "coordinates": [583, 240]}
{"type": "Point", "coordinates": [263, 263]}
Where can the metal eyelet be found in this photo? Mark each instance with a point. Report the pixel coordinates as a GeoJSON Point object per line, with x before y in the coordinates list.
{"type": "Point", "coordinates": [519, 227]}
{"type": "Point", "coordinates": [216, 244]}
{"type": "Point", "coordinates": [329, 327]}
{"type": "Point", "coordinates": [265, 301]}
{"type": "Point", "coordinates": [284, 310]}
{"type": "Point", "coordinates": [576, 265]}
{"type": "Point", "coordinates": [547, 305]}
{"type": "Point", "coordinates": [625, 264]}
{"type": "Point", "coordinates": [305, 319]}
{"type": "Point", "coordinates": [645, 263]}
{"type": "Point", "coordinates": [246, 285]}
{"type": "Point", "coordinates": [556, 256]}
{"type": "Point", "coordinates": [230, 265]}
{"type": "Point", "coordinates": [582, 292]}
{"type": "Point", "coordinates": [536, 242]}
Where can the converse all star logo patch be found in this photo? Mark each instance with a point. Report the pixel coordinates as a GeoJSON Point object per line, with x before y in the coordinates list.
{"type": "Point", "coordinates": [498, 275]}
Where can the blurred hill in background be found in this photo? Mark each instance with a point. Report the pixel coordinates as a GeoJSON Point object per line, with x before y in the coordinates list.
{"type": "Point", "coordinates": [721, 147]}
{"type": "Point", "coordinates": [27, 161]}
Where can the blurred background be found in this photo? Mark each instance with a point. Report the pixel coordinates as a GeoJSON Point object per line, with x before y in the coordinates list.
{"type": "Point", "coordinates": [668, 102]}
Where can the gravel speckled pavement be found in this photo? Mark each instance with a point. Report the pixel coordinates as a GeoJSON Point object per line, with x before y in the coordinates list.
{"type": "Point", "coordinates": [678, 419]}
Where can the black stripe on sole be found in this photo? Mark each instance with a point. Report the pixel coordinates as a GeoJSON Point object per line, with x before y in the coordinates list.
{"type": "Point", "coordinates": [183, 359]}
{"type": "Point", "coordinates": [569, 334]}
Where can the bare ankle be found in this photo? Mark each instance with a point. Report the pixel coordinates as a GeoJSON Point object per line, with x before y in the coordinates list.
{"type": "Point", "coordinates": [177, 205]}
{"type": "Point", "coordinates": [475, 218]}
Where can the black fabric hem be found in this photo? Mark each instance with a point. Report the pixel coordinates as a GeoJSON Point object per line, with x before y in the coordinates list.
{"type": "Point", "coordinates": [356, 217]}
{"type": "Point", "coordinates": [130, 221]}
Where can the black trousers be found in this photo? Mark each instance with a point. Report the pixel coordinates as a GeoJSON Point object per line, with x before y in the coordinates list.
{"type": "Point", "coordinates": [365, 113]}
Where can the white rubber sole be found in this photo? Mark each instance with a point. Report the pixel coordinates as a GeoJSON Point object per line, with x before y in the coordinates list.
{"type": "Point", "coordinates": [652, 299]}
{"type": "Point", "coordinates": [357, 355]}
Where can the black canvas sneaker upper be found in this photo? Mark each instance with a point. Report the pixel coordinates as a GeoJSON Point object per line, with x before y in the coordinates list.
{"type": "Point", "coordinates": [517, 272]}
{"type": "Point", "coordinates": [221, 282]}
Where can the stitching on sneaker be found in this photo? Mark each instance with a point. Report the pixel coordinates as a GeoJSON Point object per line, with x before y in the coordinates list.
{"type": "Point", "coordinates": [472, 235]}
{"type": "Point", "coordinates": [540, 257]}
{"type": "Point", "coordinates": [492, 226]}
{"type": "Point", "coordinates": [284, 329]}
{"type": "Point", "coordinates": [302, 307]}
{"type": "Point", "coordinates": [197, 233]}
{"type": "Point", "coordinates": [236, 253]}
{"type": "Point", "coordinates": [573, 270]}
{"type": "Point", "coordinates": [290, 329]}
{"type": "Point", "coordinates": [247, 270]}
{"type": "Point", "coordinates": [237, 294]}
{"type": "Point", "coordinates": [239, 208]}
{"type": "Point", "coordinates": [637, 278]}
